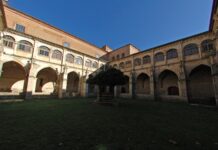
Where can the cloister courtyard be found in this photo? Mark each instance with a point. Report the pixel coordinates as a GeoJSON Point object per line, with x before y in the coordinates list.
{"type": "Point", "coordinates": [80, 124]}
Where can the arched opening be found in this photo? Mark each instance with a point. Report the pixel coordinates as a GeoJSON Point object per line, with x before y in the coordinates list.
{"type": "Point", "coordinates": [125, 88]}
{"type": "Point", "coordinates": [46, 81]}
{"type": "Point", "coordinates": [12, 78]}
{"type": "Point", "coordinates": [168, 84]}
{"type": "Point", "coordinates": [72, 83]}
{"type": "Point", "coordinates": [143, 84]}
{"type": "Point", "coordinates": [201, 86]}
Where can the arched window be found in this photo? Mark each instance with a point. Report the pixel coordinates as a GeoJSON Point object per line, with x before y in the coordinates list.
{"type": "Point", "coordinates": [172, 53]}
{"type": "Point", "coordinates": [25, 46]}
{"type": "Point", "coordinates": [159, 57]}
{"type": "Point", "coordinates": [115, 65]}
{"type": "Point", "coordinates": [146, 59]}
{"type": "Point", "coordinates": [122, 65]}
{"type": "Point", "coordinates": [70, 58]}
{"type": "Point", "coordinates": [44, 51]}
{"type": "Point", "coordinates": [207, 45]}
{"type": "Point", "coordinates": [137, 61]}
{"type": "Point", "coordinates": [8, 41]}
{"type": "Point", "coordinates": [88, 63]}
{"type": "Point", "coordinates": [57, 55]}
{"type": "Point", "coordinates": [190, 49]}
{"type": "Point", "coordinates": [128, 64]}
{"type": "Point", "coordinates": [95, 64]}
{"type": "Point", "coordinates": [79, 61]}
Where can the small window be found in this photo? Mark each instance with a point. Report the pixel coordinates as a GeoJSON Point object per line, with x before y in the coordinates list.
{"type": "Point", "coordinates": [122, 65]}
{"type": "Point", "coordinates": [123, 55]}
{"type": "Point", "coordinates": [66, 44]}
{"type": "Point", "coordinates": [95, 65]}
{"type": "Point", "coordinates": [79, 61]}
{"type": "Point", "coordinates": [70, 58]}
{"type": "Point", "coordinates": [113, 58]}
{"type": "Point", "coordinates": [44, 51]}
{"type": "Point", "coordinates": [57, 55]}
{"type": "Point", "coordinates": [190, 49]}
{"type": "Point", "coordinates": [20, 28]}
{"type": "Point", "coordinates": [146, 59]}
{"type": "Point", "coordinates": [25, 46]}
{"type": "Point", "coordinates": [137, 62]}
{"type": "Point", "coordinates": [207, 45]}
{"type": "Point", "coordinates": [8, 41]}
{"type": "Point", "coordinates": [88, 63]}
{"type": "Point", "coordinates": [128, 64]}
{"type": "Point", "coordinates": [118, 56]}
{"type": "Point", "coordinates": [159, 57]}
{"type": "Point", "coordinates": [172, 54]}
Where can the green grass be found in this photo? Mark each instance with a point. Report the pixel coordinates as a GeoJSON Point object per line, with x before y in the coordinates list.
{"type": "Point", "coordinates": [81, 125]}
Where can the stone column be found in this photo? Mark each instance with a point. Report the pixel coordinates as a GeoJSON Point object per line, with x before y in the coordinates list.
{"type": "Point", "coordinates": [130, 87]}
{"type": "Point", "coordinates": [62, 88]}
{"type": "Point", "coordinates": [215, 81]}
{"type": "Point", "coordinates": [30, 82]}
{"type": "Point", "coordinates": [152, 86]}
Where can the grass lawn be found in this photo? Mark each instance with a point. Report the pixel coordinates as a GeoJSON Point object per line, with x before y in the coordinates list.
{"type": "Point", "coordinates": [80, 125]}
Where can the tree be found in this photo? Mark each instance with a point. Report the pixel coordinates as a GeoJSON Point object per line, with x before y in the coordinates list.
{"type": "Point", "coordinates": [109, 77]}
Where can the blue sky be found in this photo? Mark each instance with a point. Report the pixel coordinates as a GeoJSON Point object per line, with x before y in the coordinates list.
{"type": "Point", "coordinates": [144, 23]}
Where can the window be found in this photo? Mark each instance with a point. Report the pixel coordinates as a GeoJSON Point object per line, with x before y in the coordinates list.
{"type": "Point", "coordinates": [128, 64]}
{"type": "Point", "coordinates": [70, 58]}
{"type": "Point", "coordinates": [115, 65]}
{"type": "Point", "coordinates": [88, 63]}
{"type": "Point", "coordinates": [95, 65]}
{"type": "Point", "coordinates": [122, 65]}
{"type": "Point", "coordinates": [8, 41]}
{"type": "Point", "coordinates": [146, 59]}
{"type": "Point", "coordinates": [66, 44]}
{"type": "Point", "coordinates": [20, 28]}
{"type": "Point", "coordinates": [172, 53]}
{"type": "Point", "coordinates": [190, 49]}
{"type": "Point", "coordinates": [113, 58]}
{"type": "Point", "coordinates": [79, 61]}
{"type": "Point", "coordinates": [44, 51]}
{"type": "Point", "coordinates": [137, 62]}
{"type": "Point", "coordinates": [159, 57]}
{"type": "Point", "coordinates": [118, 56]}
{"type": "Point", "coordinates": [57, 55]}
{"type": "Point", "coordinates": [207, 45]}
{"type": "Point", "coordinates": [123, 55]}
{"type": "Point", "coordinates": [25, 46]}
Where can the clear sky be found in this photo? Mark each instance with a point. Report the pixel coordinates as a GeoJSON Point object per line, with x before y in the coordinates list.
{"type": "Point", "coordinates": [144, 23]}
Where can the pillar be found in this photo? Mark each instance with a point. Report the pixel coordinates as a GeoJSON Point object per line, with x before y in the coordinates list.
{"type": "Point", "coordinates": [62, 86]}
{"type": "Point", "coordinates": [152, 86]}
{"type": "Point", "coordinates": [30, 82]}
{"type": "Point", "coordinates": [215, 81]}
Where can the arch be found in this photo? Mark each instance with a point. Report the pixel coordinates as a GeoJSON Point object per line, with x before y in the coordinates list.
{"type": "Point", "coordinates": [46, 80]}
{"type": "Point", "coordinates": [115, 66]}
{"type": "Point", "coordinates": [79, 60]}
{"type": "Point", "coordinates": [122, 65]}
{"type": "Point", "coordinates": [172, 53]}
{"type": "Point", "coordinates": [207, 45]}
{"type": "Point", "coordinates": [143, 84]}
{"type": "Point", "coordinates": [70, 58]}
{"type": "Point", "coordinates": [88, 63]}
{"type": "Point", "coordinates": [72, 83]}
{"type": "Point", "coordinates": [95, 64]}
{"type": "Point", "coordinates": [200, 85]}
{"type": "Point", "coordinates": [125, 88]}
{"type": "Point", "coordinates": [8, 41]}
{"type": "Point", "coordinates": [137, 62]}
{"type": "Point", "coordinates": [44, 51]}
{"type": "Point", "coordinates": [167, 84]}
{"type": "Point", "coordinates": [57, 55]}
{"type": "Point", "coordinates": [146, 59]}
{"type": "Point", "coordinates": [190, 49]}
{"type": "Point", "coordinates": [25, 46]}
{"type": "Point", "coordinates": [12, 73]}
{"type": "Point", "coordinates": [128, 64]}
{"type": "Point", "coordinates": [159, 57]}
